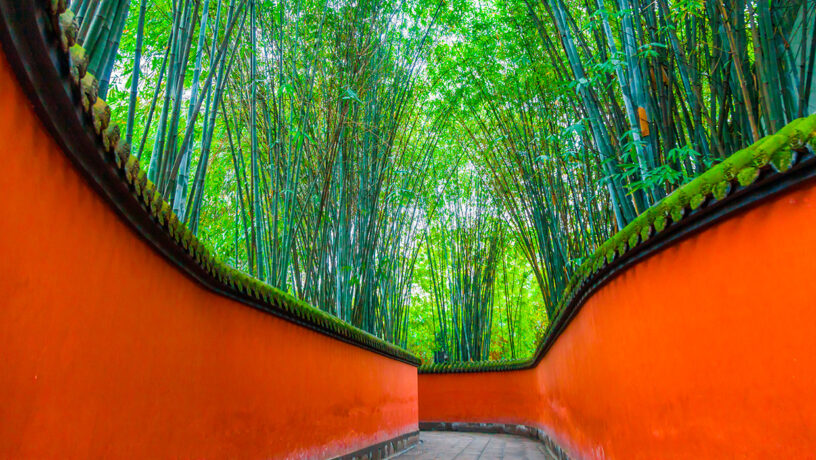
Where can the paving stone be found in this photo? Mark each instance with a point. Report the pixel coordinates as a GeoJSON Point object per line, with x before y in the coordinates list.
{"type": "Point", "coordinates": [451, 445]}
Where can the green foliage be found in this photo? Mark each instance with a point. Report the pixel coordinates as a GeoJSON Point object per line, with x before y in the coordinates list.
{"type": "Point", "coordinates": [313, 144]}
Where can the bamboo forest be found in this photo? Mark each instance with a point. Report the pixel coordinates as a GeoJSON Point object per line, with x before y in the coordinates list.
{"type": "Point", "coordinates": [434, 172]}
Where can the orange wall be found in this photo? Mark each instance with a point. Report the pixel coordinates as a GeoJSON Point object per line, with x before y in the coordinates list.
{"type": "Point", "coordinates": [107, 351]}
{"type": "Point", "coordinates": [704, 350]}
{"type": "Point", "coordinates": [489, 397]}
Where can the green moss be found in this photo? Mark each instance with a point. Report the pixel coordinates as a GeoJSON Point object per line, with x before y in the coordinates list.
{"type": "Point", "coordinates": [184, 238]}
{"type": "Point", "coordinates": [140, 182]}
{"type": "Point", "coordinates": [90, 91]}
{"type": "Point", "coordinates": [192, 247]}
{"type": "Point", "coordinates": [633, 240]}
{"type": "Point", "coordinates": [156, 204]}
{"type": "Point", "coordinates": [598, 264]}
{"type": "Point", "coordinates": [766, 148]}
{"type": "Point", "coordinates": [149, 194]}
{"type": "Point", "coordinates": [69, 28]}
{"type": "Point", "coordinates": [806, 134]}
{"type": "Point", "coordinates": [491, 366]}
{"type": "Point", "coordinates": [645, 232]}
{"type": "Point", "coordinates": [122, 153]}
{"type": "Point", "coordinates": [101, 116]}
{"type": "Point", "coordinates": [164, 213]}
{"type": "Point", "coordinates": [721, 189]}
{"type": "Point", "coordinates": [747, 176]}
{"type": "Point", "coordinates": [728, 170]}
{"type": "Point", "coordinates": [707, 185]}
{"type": "Point", "coordinates": [677, 213]}
{"type": "Point", "coordinates": [131, 169]}
{"type": "Point", "coordinates": [783, 159]}
{"type": "Point", "coordinates": [173, 226]}
{"type": "Point", "coordinates": [110, 137]}
{"type": "Point", "coordinates": [79, 61]}
{"type": "Point", "coordinates": [696, 201]}
{"type": "Point", "coordinates": [659, 223]}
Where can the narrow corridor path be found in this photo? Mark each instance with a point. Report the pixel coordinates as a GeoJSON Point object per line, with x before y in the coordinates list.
{"type": "Point", "coordinates": [472, 446]}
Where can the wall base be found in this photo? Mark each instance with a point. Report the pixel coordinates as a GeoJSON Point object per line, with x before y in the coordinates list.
{"type": "Point", "coordinates": [384, 449]}
{"type": "Point", "coordinates": [555, 451]}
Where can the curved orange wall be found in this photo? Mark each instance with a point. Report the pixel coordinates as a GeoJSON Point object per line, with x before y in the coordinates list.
{"type": "Point", "coordinates": [107, 351]}
{"type": "Point", "coordinates": [707, 349]}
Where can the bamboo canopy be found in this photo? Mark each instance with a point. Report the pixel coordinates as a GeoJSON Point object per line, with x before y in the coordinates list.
{"type": "Point", "coordinates": [436, 172]}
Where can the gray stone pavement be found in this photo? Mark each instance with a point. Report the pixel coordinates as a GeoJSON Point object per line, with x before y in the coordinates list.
{"type": "Point", "coordinates": [450, 445]}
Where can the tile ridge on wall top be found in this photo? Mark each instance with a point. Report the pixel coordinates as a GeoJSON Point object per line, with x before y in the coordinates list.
{"type": "Point", "coordinates": [116, 174]}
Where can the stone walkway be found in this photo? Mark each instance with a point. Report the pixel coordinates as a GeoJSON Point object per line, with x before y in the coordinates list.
{"type": "Point", "coordinates": [451, 445]}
